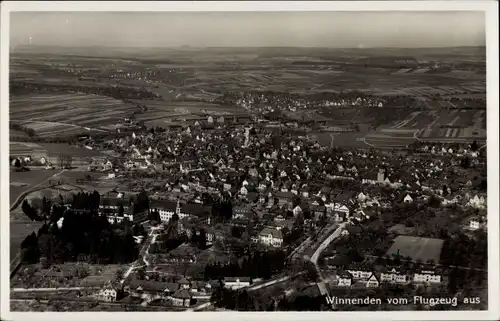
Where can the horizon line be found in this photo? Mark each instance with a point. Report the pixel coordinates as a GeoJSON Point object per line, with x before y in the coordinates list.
{"type": "Point", "coordinates": [236, 47]}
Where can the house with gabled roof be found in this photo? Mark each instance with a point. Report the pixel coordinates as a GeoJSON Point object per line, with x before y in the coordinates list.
{"type": "Point", "coordinates": [182, 297]}
{"type": "Point", "coordinates": [110, 292]}
{"type": "Point", "coordinates": [271, 237]}
{"type": "Point", "coordinates": [372, 281]}
{"type": "Point", "coordinates": [344, 279]}
{"type": "Point", "coordinates": [297, 210]}
{"type": "Point", "coordinates": [360, 272]}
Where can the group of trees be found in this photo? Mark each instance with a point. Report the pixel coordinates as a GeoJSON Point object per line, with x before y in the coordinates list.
{"type": "Point", "coordinates": [256, 265]}
{"type": "Point", "coordinates": [293, 236]}
{"type": "Point", "coordinates": [20, 87]}
{"type": "Point", "coordinates": [233, 300]}
{"type": "Point", "coordinates": [85, 234]}
{"type": "Point", "coordinates": [199, 238]}
{"type": "Point", "coordinates": [30, 211]}
{"type": "Point", "coordinates": [38, 209]}
{"type": "Point", "coordinates": [222, 210]}
{"type": "Point", "coordinates": [170, 238]}
{"type": "Point", "coordinates": [461, 250]}
{"type": "Point", "coordinates": [303, 303]}
{"type": "Point", "coordinates": [142, 202]}
{"type": "Point", "coordinates": [87, 201]}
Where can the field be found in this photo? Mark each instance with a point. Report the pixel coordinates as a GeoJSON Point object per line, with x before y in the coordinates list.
{"type": "Point", "coordinates": [188, 79]}
{"type": "Point", "coordinates": [65, 114]}
{"type": "Point", "coordinates": [23, 181]}
{"type": "Point", "coordinates": [418, 248]}
{"type": "Point", "coordinates": [49, 149]}
{"type": "Point", "coordinates": [432, 125]}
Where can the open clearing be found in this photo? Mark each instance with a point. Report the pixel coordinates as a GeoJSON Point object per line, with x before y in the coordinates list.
{"type": "Point", "coordinates": [418, 248]}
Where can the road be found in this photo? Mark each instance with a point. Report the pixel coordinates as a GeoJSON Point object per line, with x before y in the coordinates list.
{"type": "Point", "coordinates": [314, 259]}
{"type": "Point", "coordinates": [143, 252]}
{"type": "Point", "coordinates": [252, 288]}
{"type": "Point", "coordinates": [272, 282]}
{"type": "Point", "coordinates": [22, 290]}
{"type": "Point", "coordinates": [333, 138]}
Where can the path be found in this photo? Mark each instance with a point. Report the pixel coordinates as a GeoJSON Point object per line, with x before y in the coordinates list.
{"type": "Point", "coordinates": [332, 136]}
{"type": "Point", "coordinates": [66, 124]}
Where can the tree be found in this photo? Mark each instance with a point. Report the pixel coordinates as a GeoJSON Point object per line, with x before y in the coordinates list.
{"type": "Point", "coordinates": [141, 274]}
{"type": "Point", "coordinates": [474, 147]}
{"type": "Point", "coordinates": [29, 211]}
{"type": "Point", "coordinates": [47, 244]}
{"type": "Point", "coordinates": [202, 240]}
{"type": "Point", "coordinates": [235, 232]}
{"type": "Point", "coordinates": [465, 163]}
{"type": "Point", "coordinates": [119, 274]}
{"type": "Point", "coordinates": [434, 201]}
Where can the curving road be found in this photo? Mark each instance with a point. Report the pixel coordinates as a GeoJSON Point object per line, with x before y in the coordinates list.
{"type": "Point", "coordinates": [314, 259]}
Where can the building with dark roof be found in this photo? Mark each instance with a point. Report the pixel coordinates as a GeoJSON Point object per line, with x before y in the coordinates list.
{"type": "Point", "coordinates": [165, 208]}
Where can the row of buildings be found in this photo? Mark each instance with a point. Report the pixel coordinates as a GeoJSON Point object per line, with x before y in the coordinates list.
{"type": "Point", "coordinates": [359, 277]}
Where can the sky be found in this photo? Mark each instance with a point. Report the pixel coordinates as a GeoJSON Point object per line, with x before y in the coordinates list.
{"type": "Point", "coordinates": [249, 29]}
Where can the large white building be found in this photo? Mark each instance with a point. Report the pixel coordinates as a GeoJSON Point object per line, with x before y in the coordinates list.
{"type": "Point", "coordinates": [393, 276]}
{"type": "Point", "coordinates": [271, 237]}
{"type": "Point", "coordinates": [165, 208]}
{"type": "Point", "coordinates": [426, 277]}
{"type": "Point", "coordinates": [236, 283]}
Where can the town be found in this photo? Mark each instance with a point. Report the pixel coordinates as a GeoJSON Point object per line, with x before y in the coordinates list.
{"type": "Point", "coordinates": [249, 161]}
{"type": "Point", "coordinates": [224, 212]}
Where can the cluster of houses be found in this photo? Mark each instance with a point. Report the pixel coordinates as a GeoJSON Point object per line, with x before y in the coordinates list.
{"type": "Point", "coordinates": [359, 277]}
{"type": "Point", "coordinates": [275, 101]}
{"type": "Point", "coordinates": [183, 293]}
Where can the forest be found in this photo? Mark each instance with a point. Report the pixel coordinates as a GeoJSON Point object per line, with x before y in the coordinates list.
{"type": "Point", "coordinates": [71, 233]}
{"type": "Point", "coordinates": [257, 265]}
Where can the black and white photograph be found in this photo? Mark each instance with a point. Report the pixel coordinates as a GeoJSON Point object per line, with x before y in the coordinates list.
{"type": "Point", "coordinates": [279, 159]}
